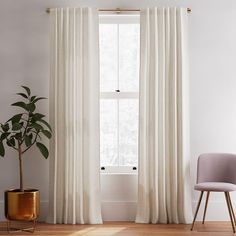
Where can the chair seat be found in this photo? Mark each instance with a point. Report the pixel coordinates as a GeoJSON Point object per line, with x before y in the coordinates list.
{"type": "Point", "coordinates": [215, 187]}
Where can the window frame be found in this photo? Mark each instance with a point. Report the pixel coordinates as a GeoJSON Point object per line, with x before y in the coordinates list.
{"type": "Point", "coordinates": [118, 95]}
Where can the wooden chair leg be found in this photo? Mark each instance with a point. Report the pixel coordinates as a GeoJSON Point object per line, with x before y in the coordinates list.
{"type": "Point", "coordinates": [198, 206]}
{"type": "Point", "coordinates": [206, 204]}
{"type": "Point", "coordinates": [229, 208]}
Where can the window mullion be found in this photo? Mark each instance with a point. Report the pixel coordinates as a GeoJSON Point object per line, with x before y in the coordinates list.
{"type": "Point", "coordinates": [120, 95]}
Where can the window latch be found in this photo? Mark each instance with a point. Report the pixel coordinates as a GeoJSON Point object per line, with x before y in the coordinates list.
{"type": "Point", "coordinates": [102, 168]}
{"type": "Point", "coordinates": [117, 90]}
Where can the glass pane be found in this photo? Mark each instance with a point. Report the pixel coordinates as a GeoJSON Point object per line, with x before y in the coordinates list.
{"type": "Point", "coordinates": [128, 132]}
{"type": "Point", "coordinates": [108, 57]}
{"type": "Point", "coordinates": [129, 57]}
{"type": "Point", "coordinates": [108, 133]}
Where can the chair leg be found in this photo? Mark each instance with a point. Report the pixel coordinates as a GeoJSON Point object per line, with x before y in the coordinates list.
{"type": "Point", "coordinates": [198, 206]}
{"type": "Point", "coordinates": [207, 198]}
{"type": "Point", "coordinates": [229, 208]}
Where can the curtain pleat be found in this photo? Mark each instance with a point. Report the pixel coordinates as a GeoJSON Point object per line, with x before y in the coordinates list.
{"type": "Point", "coordinates": [164, 177]}
{"type": "Point", "coordinates": [74, 115]}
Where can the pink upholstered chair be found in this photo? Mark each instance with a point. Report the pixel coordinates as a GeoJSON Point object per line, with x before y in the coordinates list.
{"type": "Point", "coordinates": [216, 172]}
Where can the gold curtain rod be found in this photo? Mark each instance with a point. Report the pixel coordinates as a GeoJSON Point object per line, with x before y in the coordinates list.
{"type": "Point", "coordinates": [118, 10]}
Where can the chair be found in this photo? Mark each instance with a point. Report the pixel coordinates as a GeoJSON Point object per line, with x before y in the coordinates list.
{"type": "Point", "coordinates": [216, 172]}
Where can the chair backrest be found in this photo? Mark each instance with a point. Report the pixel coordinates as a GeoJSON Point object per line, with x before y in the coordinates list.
{"type": "Point", "coordinates": [216, 167]}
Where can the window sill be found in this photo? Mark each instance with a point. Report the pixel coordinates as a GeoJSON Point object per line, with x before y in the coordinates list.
{"type": "Point", "coordinates": [118, 173]}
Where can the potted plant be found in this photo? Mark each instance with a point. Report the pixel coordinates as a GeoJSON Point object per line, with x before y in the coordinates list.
{"type": "Point", "coordinates": [21, 132]}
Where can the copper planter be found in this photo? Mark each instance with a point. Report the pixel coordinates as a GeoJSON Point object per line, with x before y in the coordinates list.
{"type": "Point", "coordinates": [22, 205]}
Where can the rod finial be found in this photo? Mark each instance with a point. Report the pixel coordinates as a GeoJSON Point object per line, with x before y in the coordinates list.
{"type": "Point", "coordinates": [118, 10]}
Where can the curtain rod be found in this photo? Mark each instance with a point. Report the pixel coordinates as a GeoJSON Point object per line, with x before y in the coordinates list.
{"type": "Point", "coordinates": [118, 10]}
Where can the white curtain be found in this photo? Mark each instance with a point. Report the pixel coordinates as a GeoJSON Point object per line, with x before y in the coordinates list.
{"type": "Point", "coordinates": [74, 116]}
{"type": "Point", "coordinates": [163, 190]}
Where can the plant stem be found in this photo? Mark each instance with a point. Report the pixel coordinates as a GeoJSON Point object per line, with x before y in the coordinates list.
{"type": "Point", "coordinates": [20, 166]}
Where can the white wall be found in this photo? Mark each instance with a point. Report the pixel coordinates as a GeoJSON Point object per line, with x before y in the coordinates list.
{"type": "Point", "coordinates": [24, 60]}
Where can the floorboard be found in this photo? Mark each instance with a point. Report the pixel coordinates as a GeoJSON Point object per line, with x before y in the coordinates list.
{"type": "Point", "coordinates": [128, 229]}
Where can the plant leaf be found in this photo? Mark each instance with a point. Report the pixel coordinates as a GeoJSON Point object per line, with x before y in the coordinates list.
{"type": "Point", "coordinates": [20, 104]}
{"type": "Point", "coordinates": [36, 126]}
{"type": "Point", "coordinates": [37, 99]}
{"type": "Point", "coordinates": [37, 116]}
{"type": "Point", "coordinates": [5, 127]}
{"type": "Point", "coordinates": [47, 133]}
{"type": "Point", "coordinates": [16, 126]}
{"type": "Point", "coordinates": [2, 149]}
{"type": "Point", "coordinates": [28, 141]}
{"type": "Point", "coordinates": [4, 135]}
{"type": "Point", "coordinates": [42, 148]}
{"type": "Point", "coordinates": [31, 107]}
{"type": "Point", "coordinates": [32, 98]}
{"type": "Point", "coordinates": [15, 118]}
{"type": "Point", "coordinates": [18, 135]}
{"type": "Point", "coordinates": [26, 89]}
{"type": "Point", "coordinates": [8, 143]}
{"type": "Point", "coordinates": [45, 123]}
{"type": "Point", "coordinates": [11, 142]}
{"type": "Point", "coordinates": [23, 95]}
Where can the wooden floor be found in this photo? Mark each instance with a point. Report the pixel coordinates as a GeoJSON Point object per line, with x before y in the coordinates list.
{"type": "Point", "coordinates": [128, 229]}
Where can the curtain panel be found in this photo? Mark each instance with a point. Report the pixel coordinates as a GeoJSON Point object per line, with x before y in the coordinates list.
{"type": "Point", "coordinates": [74, 115]}
{"type": "Point", "coordinates": [164, 176]}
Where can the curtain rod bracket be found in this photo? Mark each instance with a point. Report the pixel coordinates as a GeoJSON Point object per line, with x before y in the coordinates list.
{"type": "Point", "coordinates": [118, 11]}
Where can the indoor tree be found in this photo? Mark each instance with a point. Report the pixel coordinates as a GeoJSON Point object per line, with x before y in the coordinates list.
{"type": "Point", "coordinates": [25, 129]}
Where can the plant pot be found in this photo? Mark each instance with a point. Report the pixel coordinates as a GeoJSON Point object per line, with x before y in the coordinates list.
{"type": "Point", "coordinates": [22, 205]}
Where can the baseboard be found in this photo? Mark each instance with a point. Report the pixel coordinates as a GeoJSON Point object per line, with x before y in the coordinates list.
{"type": "Point", "coordinates": [126, 210]}
{"type": "Point", "coordinates": [111, 211]}
{"type": "Point", "coordinates": [216, 210]}
{"type": "Point", "coordinates": [43, 211]}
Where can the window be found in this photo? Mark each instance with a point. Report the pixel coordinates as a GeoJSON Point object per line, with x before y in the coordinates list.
{"type": "Point", "coordinates": [119, 74]}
